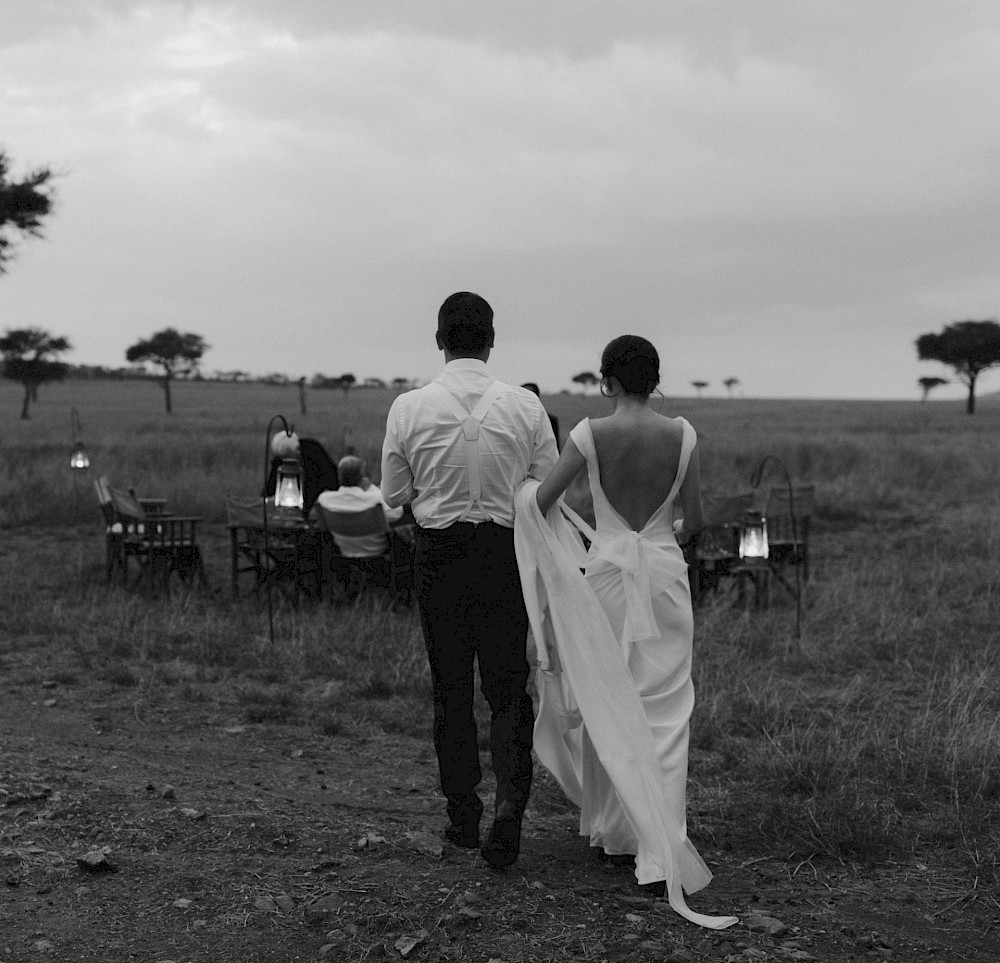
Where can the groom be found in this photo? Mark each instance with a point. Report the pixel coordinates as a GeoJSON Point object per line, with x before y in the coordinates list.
{"type": "Point", "coordinates": [456, 450]}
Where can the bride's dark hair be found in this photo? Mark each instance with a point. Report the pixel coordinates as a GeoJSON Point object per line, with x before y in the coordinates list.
{"type": "Point", "coordinates": [634, 362]}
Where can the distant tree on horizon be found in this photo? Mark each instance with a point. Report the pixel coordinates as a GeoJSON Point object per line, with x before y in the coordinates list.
{"type": "Point", "coordinates": [969, 347]}
{"type": "Point", "coordinates": [174, 353]}
{"type": "Point", "coordinates": [586, 379]}
{"type": "Point", "coordinates": [731, 383]}
{"type": "Point", "coordinates": [23, 204]}
{"type": "Point", "coordinates": [699, 386]}
{"type": "Point", "coordinates": [928, 383]}
{"type": "Point", "coordinates": [29, 357]}
{"type": "Point", "coordinates": [400, 384]}
{"type": "Point", "coordinates": [346, 382]}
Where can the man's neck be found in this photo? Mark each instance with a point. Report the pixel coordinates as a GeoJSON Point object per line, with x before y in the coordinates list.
{"type": "Point", "coordinates": [482, 356]}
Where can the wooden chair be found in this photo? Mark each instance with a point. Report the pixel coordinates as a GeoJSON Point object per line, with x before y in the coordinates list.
{"type": "Point", "coordinates": [789, 545]}
{"type": "Point", "coordinates": [290, 557]}
{"type": "Point", "coordinates": [114, 552]}
{"type": "Point", "coordinates": [162, 544]}
{"type": "Point", "coordinates": [714, 554]}
{"type": "Point", "coordinates": [391, 568]}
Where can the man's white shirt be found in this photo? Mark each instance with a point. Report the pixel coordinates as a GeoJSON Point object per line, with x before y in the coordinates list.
{"type": "Point", "coordinates": [425, 458]}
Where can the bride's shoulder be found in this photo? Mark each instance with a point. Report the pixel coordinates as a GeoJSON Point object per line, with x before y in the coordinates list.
{"type": "Point", "coordinates": [682, 426]}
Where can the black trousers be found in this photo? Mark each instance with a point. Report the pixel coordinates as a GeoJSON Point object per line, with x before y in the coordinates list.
{"type": "Point", "coordinates": [471, 607]}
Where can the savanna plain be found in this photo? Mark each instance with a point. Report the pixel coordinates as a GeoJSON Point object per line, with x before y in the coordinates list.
{"type": "Point", "coordinates": [277, 801]}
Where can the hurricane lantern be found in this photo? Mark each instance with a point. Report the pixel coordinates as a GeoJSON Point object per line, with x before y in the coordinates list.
{"type": "Point", "coordinates": [288, 488]}
{"type": "Point", "coordinates": [753, 535]}
{"type": "Point", "coordinates": [79, 461]}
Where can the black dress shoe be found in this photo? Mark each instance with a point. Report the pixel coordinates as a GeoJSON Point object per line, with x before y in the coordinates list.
{"type": "Point", "coordinates": [464, 813]}
{"type": "Point", "coordinates": [466, 835]}
{"type": "Point", "coordinates": [655, 890]}
{"type": "Point", "coordinates": [504, 844]}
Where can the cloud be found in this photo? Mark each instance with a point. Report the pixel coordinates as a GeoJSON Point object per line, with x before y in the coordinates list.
{"type": "Point", "coordinates": [715, 168]}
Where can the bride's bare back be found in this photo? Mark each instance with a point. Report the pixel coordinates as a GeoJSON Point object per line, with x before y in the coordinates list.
{"type": "Point", "coordinates": [638, 452]}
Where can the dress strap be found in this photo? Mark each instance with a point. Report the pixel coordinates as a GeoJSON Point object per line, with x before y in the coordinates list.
{"type": "Point", "coordinates": [688, 440]}
{"type": "Point", "coordinates": [577, 521]}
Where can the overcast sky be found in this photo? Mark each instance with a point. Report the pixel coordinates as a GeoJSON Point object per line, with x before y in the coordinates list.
{"type": "Point", "coordinates": [787, 193]}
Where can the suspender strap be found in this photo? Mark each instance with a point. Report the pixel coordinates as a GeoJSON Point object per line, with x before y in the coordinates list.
{"type": "Point", "coordinates": [470, 422]}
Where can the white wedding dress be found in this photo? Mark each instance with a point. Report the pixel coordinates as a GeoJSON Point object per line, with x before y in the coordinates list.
{"type": "Point", "coordinates": [614, 675]}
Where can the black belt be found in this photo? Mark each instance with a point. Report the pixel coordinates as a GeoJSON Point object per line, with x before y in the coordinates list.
{"type": "Point", "coordinates": [467, 531]}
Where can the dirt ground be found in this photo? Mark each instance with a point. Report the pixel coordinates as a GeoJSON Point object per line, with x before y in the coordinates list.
{"type": "Point", "coordinates": [213, 839]}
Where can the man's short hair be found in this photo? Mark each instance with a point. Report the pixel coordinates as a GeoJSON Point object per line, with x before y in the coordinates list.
{"type": "Point", "coordinates": [350, 471]}
{"type": "Point", "coordinates": [465, 323]}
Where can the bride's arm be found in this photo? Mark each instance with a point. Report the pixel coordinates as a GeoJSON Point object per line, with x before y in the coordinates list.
{"type": "Point", "coordinates": [557, 481]}
{"type": "Point", "coordinates": [692, 520]}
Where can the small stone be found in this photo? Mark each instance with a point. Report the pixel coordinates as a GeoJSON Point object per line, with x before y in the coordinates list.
{"type": "Point", "coordinates": [405, 945]}
{"type": "Point", "coordinates": [651, 946]}
{"type": "Point", "coordinates": [196, 814]}
{"type": "Point", "coordinates": [285, 903]}
{"type": "Point", "coordinates": [167, 792]}
{"type": "Point", "coordinates": [181, 903]}
{"type": "Point", "coordinates": [43, 946]}
{"type": "Point", "coordinates": [96, 861]}
{"type": "Point", "coordinates": [320, 910]}
{"type": "Point", "coordinates": [767, 925]}
{"type": "Point", "coordinates": [51, 684]}
{"type": "Point", "coordinates": [424, 843]}
{"type": "Point", "coordinates": [264, 902]}
{"type": "Point", "coordinates": [49, 703]}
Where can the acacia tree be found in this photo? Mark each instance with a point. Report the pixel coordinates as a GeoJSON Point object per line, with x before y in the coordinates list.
{"type": "Point", "coordinates": [175, 354]}
{"type": "Point", "coordinates": [23, 204]}
{"type": "Point", "coordinates": [970, 347]}
{"type": "Point", "coordinates": [699, 386]}
{"type": "Point", "coordinates": [928, 383]}
{"type": "Point", "coordinates": [586, 379]}
{"type": "Point", "coordinates": [731, 383]}
{"type": "Point", "coordinates": [29, 357]}
{"type": "Point", "coordinates": [346, 382]}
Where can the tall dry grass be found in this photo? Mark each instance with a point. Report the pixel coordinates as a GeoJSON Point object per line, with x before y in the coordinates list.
{"type": "Point", "coordinates": [871, 737]}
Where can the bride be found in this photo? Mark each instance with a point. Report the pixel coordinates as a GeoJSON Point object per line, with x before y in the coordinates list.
{"type": "Point", "coordinates": [614, 643]}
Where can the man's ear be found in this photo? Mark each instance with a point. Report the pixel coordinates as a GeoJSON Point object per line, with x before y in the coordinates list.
{"type": "Point", "coordinates": [437, 339]}
{"type": "Point", "coordinates": [490, 343]}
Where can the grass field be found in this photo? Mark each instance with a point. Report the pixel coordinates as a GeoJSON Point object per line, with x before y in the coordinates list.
{"type": "Point", "coordinates": [873, 737]}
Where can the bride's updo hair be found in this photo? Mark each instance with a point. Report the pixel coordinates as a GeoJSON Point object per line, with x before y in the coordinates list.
{"type": "Point", "coordinates": [634, 362]}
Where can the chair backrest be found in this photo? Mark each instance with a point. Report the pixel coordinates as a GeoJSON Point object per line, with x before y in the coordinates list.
{"type": "Point", "coordinates": [101, 487]}
{"type": "Point", "coordinates": [243, 511]}
{"type": "Point", "coordinates": [780, 503]}
{"type": "Point", "coordinates": [779, 511]}
{"type": "Point", "coordinates": [355, 524]}
{"type": "Point", "coordinates": [126, 506]}
{"type": "Point", "coordinates": [726, 509]}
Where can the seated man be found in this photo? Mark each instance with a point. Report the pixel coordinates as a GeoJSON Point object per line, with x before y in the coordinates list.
{"type": "Point", "coordinates": [355, 494]}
